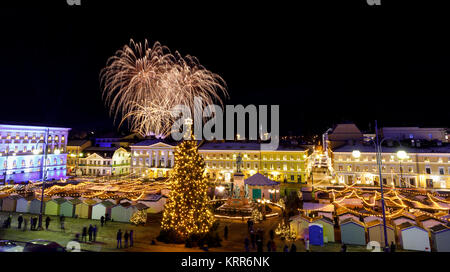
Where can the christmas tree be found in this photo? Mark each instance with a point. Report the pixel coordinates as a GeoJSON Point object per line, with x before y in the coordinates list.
{"type": "Point", "coordinates": [186, 212]}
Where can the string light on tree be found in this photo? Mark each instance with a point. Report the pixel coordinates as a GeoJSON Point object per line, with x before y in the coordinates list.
{"type": "Point", "coordinates": [186, 211]}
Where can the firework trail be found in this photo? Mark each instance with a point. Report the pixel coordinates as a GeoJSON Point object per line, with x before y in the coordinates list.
{"type": "Point", "coordinates": [143, 85]}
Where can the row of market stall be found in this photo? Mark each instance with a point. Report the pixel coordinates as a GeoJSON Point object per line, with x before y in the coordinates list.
{"type": "Point", "coordinates": [116, 210]}
{"type": "Point", "coordinates": [412, 232]}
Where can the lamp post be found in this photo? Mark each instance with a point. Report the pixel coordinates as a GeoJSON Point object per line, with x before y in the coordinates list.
{"type": "Point", "coordinates": [378, 144]}
{"type": "Point", "coordinates": [379, 163]}
{"type": "Point", "coordinates": [43, 177]}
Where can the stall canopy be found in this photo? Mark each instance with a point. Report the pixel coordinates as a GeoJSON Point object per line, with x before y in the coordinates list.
{"type": "Point", "coordinates": [328, 228]}
{"type": "Point", "coordinates": [23, 204]}
{"type": "Point", "coordinates": [300, 224]}
{"type": "Point", "coordinates": [101, 209]}
{"type": "Point", "coordinates": [35, 206]}
{"type": "Point", "coordinates": [154, 202]}
{"type": "Point", "coordinates": [353, 232]}
{"type": "Point", "coordinates": [413, 237]}
{"type": "Point", "coordinates": [68, 208]}
{"type": "Point", "coordinates": [123, 212]}
{"type": "Point", "coordinates": [427, 222]}
{"type": "Point", "coordinates": [323, 207]}
{"type": "Point", "coordinates": [375, 230]}
{"type": "Point", "coordinates": [9, 203]}
{"type": "Point", "coordinates": [440, 236]}
{"type": "Point", "coordinates": [84, 208]}
{"type": "Point", "coordinates": [52, 207]}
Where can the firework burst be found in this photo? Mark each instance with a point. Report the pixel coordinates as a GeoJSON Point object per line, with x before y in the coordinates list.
{"type": "Point", "coordinates": [143, 85]}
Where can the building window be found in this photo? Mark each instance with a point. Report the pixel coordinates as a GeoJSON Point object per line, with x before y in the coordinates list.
{"type": "Point", "coordinates": [428, 170]}
{"type": "Point", "coordinates": [441, 171]}
{"type": "Point", "coordinates": [412, 181]}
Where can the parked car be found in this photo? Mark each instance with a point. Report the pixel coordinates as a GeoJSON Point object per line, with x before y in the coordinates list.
{"type": "Point", "coordinates": [43, 246]}
{"type": "Point", "coordinates": [9, 246]}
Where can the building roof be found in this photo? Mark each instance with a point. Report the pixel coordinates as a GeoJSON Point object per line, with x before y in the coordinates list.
{"type": "Point", "coordinates": [323, 218]}
{"type": "Point", "coordinates": [244, 145]}
{"type": "Point", "coordinates": [105, 152]}
{"type": "Point", "coordinates": [76, 142]}
{"type": "Point", "coordinates": [22, 125]}
{"type": "Point", "coordinates": [260, 180]}
{"type": "Point", "coordinates": [407, 225]}
{"type": "Point", "coordinates": [140, 206]}
{"type": "Point", "coordinates": [439, 228]}
{"type": "Point", "coordinates": [151, 197]}
{"type": "Point", "coordinates": [370, 148]}
{"type": "Point", "coordinates": [155, 141]}
{"type": "Point", "coordinates": [301, 217]}
{"type": "Point", "coordinates": [374, 223]}
{"type": "Point", "coordinates": [351, 220]}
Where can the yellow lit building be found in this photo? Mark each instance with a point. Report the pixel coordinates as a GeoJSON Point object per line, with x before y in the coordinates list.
{"type": "Point", "coordinates": [75, 150]}
{"type": "Point", "coordinates": [413, 167]}
{"type": "Point", "coordinates": [154, 158]}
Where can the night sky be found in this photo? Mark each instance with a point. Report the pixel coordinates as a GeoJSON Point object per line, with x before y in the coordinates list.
{"type": "Point", "coordinates": [323, 64]}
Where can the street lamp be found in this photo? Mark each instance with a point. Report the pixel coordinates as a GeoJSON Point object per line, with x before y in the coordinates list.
{"type": "Point", "coordinates": [401, 155]}
{"type": "Point", "coordinates": [356, 154]}
{"type": "Point", "coordinates": [43, 176]}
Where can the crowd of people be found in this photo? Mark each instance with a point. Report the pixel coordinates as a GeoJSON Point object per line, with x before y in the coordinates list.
{"type": "Point", "coordinates": [128, 237]}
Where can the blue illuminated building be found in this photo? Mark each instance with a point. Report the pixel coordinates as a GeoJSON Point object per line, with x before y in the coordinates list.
{"type": "Point", "coordinates": [22, 153]}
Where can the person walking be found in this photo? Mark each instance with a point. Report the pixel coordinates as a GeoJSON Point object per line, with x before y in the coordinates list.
{"type": "Point", "coordinates": [63, 229]}
{"type": "Point", "coordinates": [102, 220]}
{"type": "Point", "coordinates": [9, 220]}
{"type": "Point", "coordinates": [25, 224]}
{"type": "Point", "coordinates": [119, 238]}
{"type": "Point", "coordinates": [94, 232]}
{"type": "Point", "coordinates": [90, 232]}
{"type": "Point", "coordinates": [131, 238]}
{"type": "Point", "coordinates": [106, 218]}
{"type": "Point", "coordinates": [225, 233]}
{"type": "Point", "coordinates": [84, 234]}
{"type": "Point", "coordinates": [392, 246]}
{"type": "Point", "coordinates": [252, 239]}
{"type": "Point", "coordinates": [274, 246]}
{"type": "Point", "coordinates": [344, 248]}
{"type": "Point", "coordinates": [285, 248]}
{"type": "Point", "coordinates": [19, 221]}
{"type": "Point", "coordinates": [307, 244]}
{"type": "Point", "coordinates": [259, 244]}
{"type": "Point", "coordinates": [246, 244]}
{"type": "Point", "coordinates": [33, 225]}
{"type": "Point", "coordinates": [293, 248]}
{"type": "Point", "coordinates": [47, 222]}
{"type": "Point", "coordinates": [269, 246]}
{"type": "Point", "coordinates": [126, 236]}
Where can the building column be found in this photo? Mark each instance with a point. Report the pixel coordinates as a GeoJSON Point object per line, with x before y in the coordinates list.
{"type": "Point", "coordinates": [150, 157]}
{"type": "Point", "coordinates": [172, 159]}
{"type": "Point", "coordinates": [166, 158]}
{"type": "Point", "coordinates": [157, 158]}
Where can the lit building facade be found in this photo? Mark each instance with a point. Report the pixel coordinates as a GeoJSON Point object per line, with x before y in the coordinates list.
{"type": "Point", "coordinates": [421, 168]}
{"type": "Point", "coordinates": [75, 150]}
{"type": "Point", "coordinates": [152, 158]}
{"type": "Point", "coordinates": [155, 158]}
{"type": "Point", "coordinates": [22, 153]}
{"type": "Point", "coordinates": [104, 161]}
